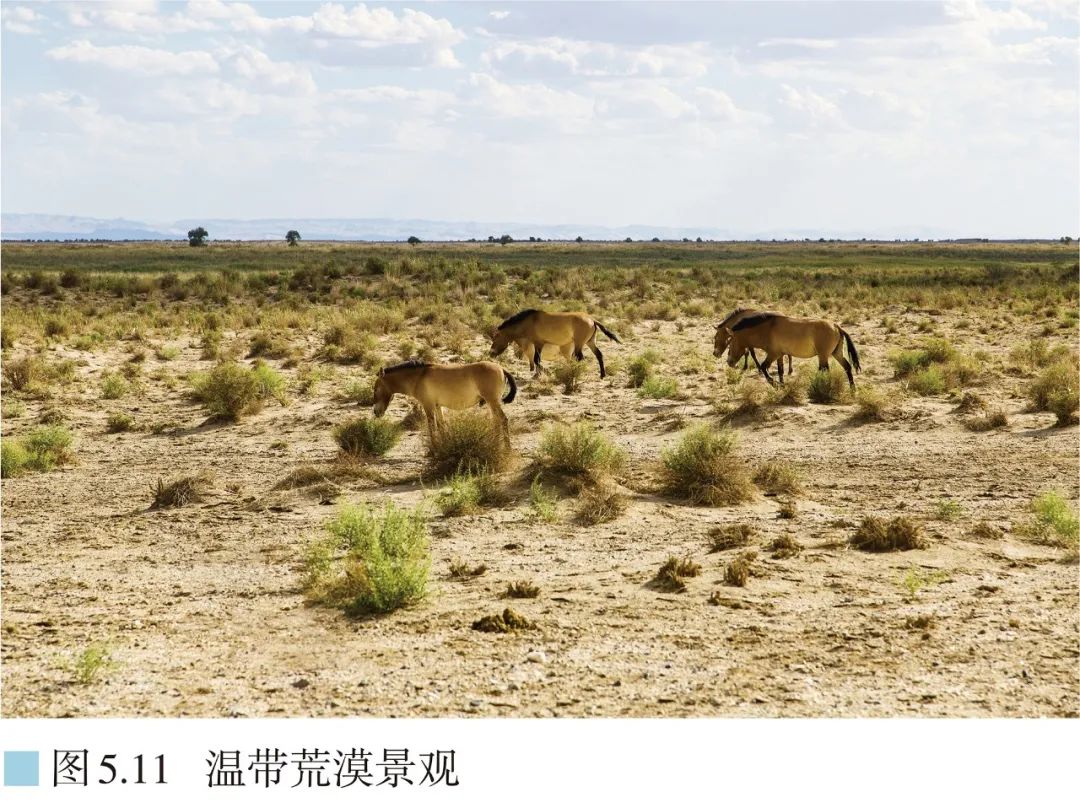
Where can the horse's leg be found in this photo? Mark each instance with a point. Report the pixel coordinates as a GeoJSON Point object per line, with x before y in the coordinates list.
{"type": "Point", "coordinates": [432, 419]}
{"type": "Point", "coordinates": [502, 423]}
{"type": "Point", "coordinates": [789, 363]}
{"type": "Point", "coordinates": [746, 357]}
{"type": "Point", "coordinates": [764, 367]}
{"type": "Point", "coordinates": [596, 352]}
{"type": "Point", "coordinates": [780, 368]}
{"type": "Point", "coordinates": [838, 355]}
{"type": "Point", "coordinates": [537, 348]}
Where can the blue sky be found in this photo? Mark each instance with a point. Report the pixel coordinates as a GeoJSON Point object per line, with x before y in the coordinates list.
{"type": "Point", "coordinates": [842, 117]}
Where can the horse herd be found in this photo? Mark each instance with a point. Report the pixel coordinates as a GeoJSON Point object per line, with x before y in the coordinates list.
{"type": "Point", "coordinates": [458, 387]}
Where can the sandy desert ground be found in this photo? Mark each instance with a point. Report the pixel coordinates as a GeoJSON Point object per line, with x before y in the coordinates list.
{"type": "Point", "coordinates": [202, 610]}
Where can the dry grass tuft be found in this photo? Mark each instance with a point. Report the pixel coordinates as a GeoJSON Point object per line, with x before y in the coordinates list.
{"type": "Point", "coordinates": [777, 477]}
{"type": "Point", "coordinates": [578, 451]}
{"type": "Point", "coordinates": [600, 502]}
{"type": "Point", "coordinates": [468, 444]}
{"type": "Point", "coordinates": [521, 589]}
{"type": "Point", "coordinates": [460, 569]}
{"type": "Point", "coordinates": [875, 535]}
{"type": "Point", "coordinates": [729, 537]}
{"type": "Point", "coordinates": [367, 437]}
{"type": "Point", "coordinates": [182, 491]}
{"type": "Point", "coordinates": [785, 547]}
{"type": "Point", "coordinates": [704, 469]}
{"type": "Point", "coordinates": [738, 572]}
{"type": "Point", "coordinates": [672, 575]}
{"type": "Point", "coordinates": [508, 621]}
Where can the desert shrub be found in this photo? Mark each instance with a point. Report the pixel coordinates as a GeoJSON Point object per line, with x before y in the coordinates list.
{"type": "Point", "coordinates": [674, 572]}
{"type": "Point", "coordinates": [181, 491]}
{"type": "Point", "coordinates": [91, 662]}
{"type": "Point", "coordinates": [785, 547]}
{"type": "Point", "coordinates": [729, 537]}
{"type": "Point", "coordinates": [875, 535]}
{"type": "Point", "coordinates": [939, 350]}
{"type": "Point", "coordinates": [828, 386]}
{"type": "Point", "coordinates": [569, 375]}
{"type": "Point", "coordinates": [1056, 390]}
{"type": "Point", "coordinates": [210, 345]}
{"type": "Point", "coordinates": [47, 447]}
{"type": "Point", "coordinates": [658, 387]}
{"type": "Point", "coordinates": [271, 346]}
{"type": "Point", "coordinates": [52, 416]}
{"type": "Point", "coordinates": [739, 570]}
{"type": "Point", "coordinates": [468, 443]}
{"type": "Point", "coordinates": [704, 469]}
{"type": "Point", "coordinates": [1054, 522]}
{"type": "Point", "coordinates": [578, 451]}
{"type": "Point", "coordinates": [777, 477]}
{"type": "Point", "coordinates": [361, 391]}
{"type": "Point", "coordinates": [787, 510]}
{"type": "Point", "coordinates": [504, 623]}
{"type": "Point", "coordinates": [521, 589]}
{"type": "Point", "coordinates": [962, 370]}
{"type": "Point", "coordinates": [468, 493]}
{"type": "Point", "coordinates": [13, 458]}
{"type": "Point", "coordinates": [906, 363]}
{"type": "Point", "coordinates": [751, 400]}
{"type": "Point", "coordinates": [367, 437]}
{"type": "Point", "coordinates": [1032, 354]}
{"type": "Point", "coordinates": [542, 503]}
{"type": "Point", "coordinates": [793, 391]}
{"type": "Point", "coordinates": [461, 569]}
{"type": "Point", "coordinates": [948, 510]}
{"type": "Point", "coordinates": [872, 403]}
{"type": "Point", "coordinates": [270, 382]}
{"type": "Point", "coordinates": [368, 562]}
{"type": "Point", "coordinates": [113, 385]}
{"type": "Point", "coordinates": [915, 580]}
{"type": "Point", "coordinates": [971, 402]}
{"type": "Point", "coordinates": [230, 390]}
{"type": "Point", "coordinates": [927, 382]}
{"type": "Point", "coordinates": [995, 419]}
{"type": "Point", "coordinates": [600, 503]}
{"type": "Point", "coordinates": [21, 373]}
{"type": "Point", "coordinates": [119, 422]}
{"type": "Point", "coordinates": [641, 367]}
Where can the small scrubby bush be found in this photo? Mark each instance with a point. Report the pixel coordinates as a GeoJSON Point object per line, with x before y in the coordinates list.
{"type": "Point", "coordinates": [367, 437]}
{"type": "Point", "coordinates": [13, 458]}
{"type": "Point", "coordinates": [578, 451]}
{"type": "Point", "coordinates": [113, 386]}
{"type": "Point", "coordinates": [182, 491]}
{"type": "Point", "coordinates": [875, 535]}
{"type": "Point", "coordinates": [927, 382]}
{"type": "Point", "coordinates": [543, 506]}
{"type": "Point", "coordinates": [468, 493]}
{"type": "Point", "coordinates": [468, 443]}
{"type": "Point", "coordinates": [40, 450]}
{"type": "Point", "coordinates": [872, 404]}
{"type": "Point", "coordinates": [730, 537]}
{"type": "Point", "coordinates": [119, 422]}
{"type": "Point", "coordinates": [1055, 522]}
{"type": "Point", "coordinates": [641, 367]}
{"type": "Point", "coordinates": [522, 589]}
{"type": "Point", "coordinates": [368, 562]}
{"type": "Point", "coordinates": [600, 503]}
{"type": "Point", "coordinates": [1056, 390]}
{"type": "Point", "coordinates": [230, 390]}
{"type": "Point", "coordinates": [704, 469]}
{"type": "Point", "coordinates": [828, 386]}
{"type": "Point", "coordinates": [777, 477]}
{"type": "Point", "coordinates": [674, 572]}
{"type": "Point", "coordinates": [658, 387]}
{"type": "Point", "coordinates": [569, 375]}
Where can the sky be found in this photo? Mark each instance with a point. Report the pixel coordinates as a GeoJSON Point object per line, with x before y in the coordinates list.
{"type": "Point", "coordinates": [844, 118]}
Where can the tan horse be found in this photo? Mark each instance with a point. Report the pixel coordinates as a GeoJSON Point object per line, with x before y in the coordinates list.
{"type": "Point", "coordinates": [778, 334]}
{"type": "Point", "coordinates": [532, 329]}
{"type": "Point", "coordinates": [457, 387]}
{"type": "Point", "coordinates": [735, 317]}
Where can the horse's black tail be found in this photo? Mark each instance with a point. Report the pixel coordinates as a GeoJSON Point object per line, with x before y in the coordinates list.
{"type": "Point", "coordinates": [513, 388]}
{"type": "Point", "coordinates": [852, 353]}
{"type": "Point", "coordinates": [610, 336]}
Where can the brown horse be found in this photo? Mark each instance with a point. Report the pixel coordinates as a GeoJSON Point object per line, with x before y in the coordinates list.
{"type": "Point", "coordinates": [532, 329]}
{"type": "Point", "coordinates": [778, 334]}
{"type": "Point", "coordinates": [735, 317]}
{"type": "Point", "coordinates": [455, 386]}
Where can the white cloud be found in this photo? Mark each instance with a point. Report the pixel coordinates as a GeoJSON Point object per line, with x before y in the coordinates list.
{"type": "Point", "coordinates": [20, 19]}
{"type": "Point", "coordinates": [499, 15]}
{"type": "Point", "coordinates": [554, 56]}
{"type": "Point", "coordinates": [258, 69]}
{"type": "Point", "coordinates": [134, 17]}
{"type": "Point", "coordinates": [817, 108]}
{"type": "Point", "coordinates": [136, 58]}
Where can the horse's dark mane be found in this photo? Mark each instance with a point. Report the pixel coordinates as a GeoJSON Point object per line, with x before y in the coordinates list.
{"type": "Point", "coordinates": [739, 310]}
{"type": "Point", "coordinates": [517, 318]}
{"type": "Point", "coordinates": [411, 364]}
{"type": "Point", "coordinates": [750, 322]}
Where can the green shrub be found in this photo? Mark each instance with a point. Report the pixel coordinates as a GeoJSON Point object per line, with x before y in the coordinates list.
{"type": "Point", "coordinates": [271, 384]}
{"type": "Point", "coordinates": [468, 443]}
{"type": "Point", "coordinates": [641, 367]}
{"type": "Point", "coordinates": [22, 373]}
{"type": "Point", "coordinates": [873, 404]}
{"type": "Point", "coordinates": [948, 510]}
{"type": "Point", "coordinates": [543, 506]}
{"type": "Point", "coordinates": [1056, 390]}
{"type": "Point", "coordinates": [119, 422]}
{"type": "Point", "coordinates": [113, 386]}
{"type": "Point", "coordinates": [927, 382]}
{"type": "Point", "coordinates": [48, 447]}
{"type": "Point", "coordinates": [569, 374]}
{"type": "Point", "coordinates": [939, 350]}
{"type": "Point", "coordinates": [268, 345]}
{"type": "Point", "coordinates": [907, 362]}
{"type": "Point", "coordinates": [230, 390]}
{"type": "Point", "coordinates": [828, 386]}
{"type": "Point", "coordinates": [362, 391]}
{"type": "Point", "coordinates": [1055, 522]}
{"type": "Point", "coordinates": [658, 387]}
{"type": "Point", "coordinates": [468, 493]}
{"type": "Point", "coordinates": [367, 437]}
{"type": "Point", "coordinates": [777, 477]}
{"type": "Point", "coordinates": [14, 456]}
{"type": "Point", "coordinates": [704, 469]}
{"type": "Point", "coordinates": [92, 661]}
{"type": "Point", "coordinates": [578, 451]}
{"type": "Point", "coordinates": [369, 563]}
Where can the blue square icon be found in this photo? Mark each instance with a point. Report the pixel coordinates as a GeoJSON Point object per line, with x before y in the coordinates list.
{"type": "Point", "coordinates": [20, 768]}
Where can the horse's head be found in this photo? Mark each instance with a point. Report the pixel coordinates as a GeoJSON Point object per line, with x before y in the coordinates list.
{"type": "Point", "coordinates": [499, 341]}
{"type": "Point", "coordinates": [721, 340]}
{"type": "Point", "coordinates": [382, 395]}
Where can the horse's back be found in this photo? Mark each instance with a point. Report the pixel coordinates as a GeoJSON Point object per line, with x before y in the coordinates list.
{"type": "Point", "coordinates": [461, 386]}
{"type": "Point", "coordinates": [561, 327]}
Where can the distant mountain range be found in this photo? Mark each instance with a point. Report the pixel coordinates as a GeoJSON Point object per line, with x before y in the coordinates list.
{"type": "Point", "coordinates": [37, 226]}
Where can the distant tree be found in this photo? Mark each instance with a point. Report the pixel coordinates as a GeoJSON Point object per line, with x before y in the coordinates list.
{"type": "Point", "coordinates": [629, 239]}
{"type": "Point", "coordinates": [505, 239]}
{"type": "Point", "coordinates": [699, 239]}
{"type": "Point", "coordinates": [654, 238]}
{"type": "Point", "coordinates": [1066, 239]}
{"type": "Point", "coordinates": [579, 239]}
{"type": "Point", "coordinates": [197, 237]}
{"type": "Point", "coordinates": [292, 237]}
{"type": "Point", "coordinates": [491, 238]}
{"type": "Point", "coordinates": [413, 240]}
